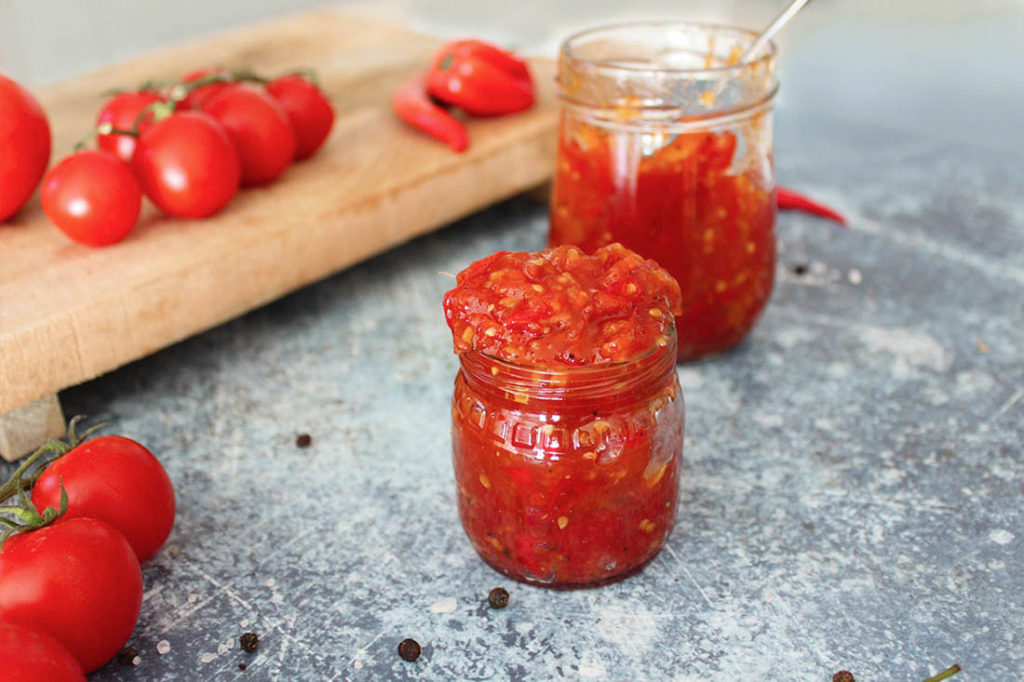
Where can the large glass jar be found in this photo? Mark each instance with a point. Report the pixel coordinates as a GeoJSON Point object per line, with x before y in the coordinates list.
{"type": "Point", "coordinates": [570, 476]}
{"type": "Point", "coordinates": [666, 146]}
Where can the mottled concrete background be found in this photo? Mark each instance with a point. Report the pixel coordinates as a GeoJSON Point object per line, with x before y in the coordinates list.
{"type": "Point", "coordinates": [853, 484]}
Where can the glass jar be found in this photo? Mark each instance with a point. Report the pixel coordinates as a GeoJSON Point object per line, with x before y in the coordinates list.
{"type": "Point", "coordinates": [568, 477]}
{"type": "Point", "coordinates": [666, 146]}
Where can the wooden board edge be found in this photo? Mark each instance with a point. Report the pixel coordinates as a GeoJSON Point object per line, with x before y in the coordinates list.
{"type": "Point", "coordinates": [516, 167]}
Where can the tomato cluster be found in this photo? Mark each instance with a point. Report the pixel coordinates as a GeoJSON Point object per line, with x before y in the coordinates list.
{"type": "Point", "coordinates": [187, 146]}
{"type": "Point", "coordinates": [70, 580]}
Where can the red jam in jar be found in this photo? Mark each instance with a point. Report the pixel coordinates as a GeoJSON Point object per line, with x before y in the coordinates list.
{"type": "Point", "coordinates": [567, 417]}
{"type": "Point", "coordinates": [665, 146]}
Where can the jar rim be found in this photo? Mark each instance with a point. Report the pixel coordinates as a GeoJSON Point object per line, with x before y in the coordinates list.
{"type": "Point", "coordinates": [592, 371]}
{"type": "Point", "coordinates": [601, 381]}
{"type": "Point", "coordinates": [577, 368]}
{"type": "Point", "coordinates": [768, 52]}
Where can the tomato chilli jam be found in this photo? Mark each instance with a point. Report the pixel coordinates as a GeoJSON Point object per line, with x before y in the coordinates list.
{"type": "Point", "coordinates": [665, 146]}
{"type": "Point", "coordinates": [567, 417]}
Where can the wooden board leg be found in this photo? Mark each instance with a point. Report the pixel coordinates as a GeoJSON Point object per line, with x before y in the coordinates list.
{"type": "Point", "coordinates": [28, 427]}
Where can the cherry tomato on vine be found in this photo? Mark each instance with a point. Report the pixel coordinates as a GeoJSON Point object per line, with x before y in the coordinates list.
{"type": "Point", "coordinates": [113, 479]}
{"type": "Point", "coordinates": [259, 129]}
{"type": "Point", "coordinates": [24, 146]}
{"type": "Point", "coordinates": [187, 165]}
{"type": "Point", "coordinates": [31, 656]}
{"type": "Point", "coordinates": [78, 581]}
{"type": "Point", "coordinates": [198, 97]}
{"type": "Point", "coordinates": [122, 111]}
{"type": "Point", "coordinates": [308, 109]}
{"type": "Point", "coordinates": [92, 197]}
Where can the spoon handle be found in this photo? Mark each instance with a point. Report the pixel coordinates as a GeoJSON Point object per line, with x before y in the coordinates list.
{"type": "Point", "coordinates": [772, 29]}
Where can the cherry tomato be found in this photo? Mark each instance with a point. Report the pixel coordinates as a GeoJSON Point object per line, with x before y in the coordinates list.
{"type": "Point", "coordinates": [92, 197]}
{"type": "Point", "coordinates": [24, 146]}
{"type": "Point", "coordinates": [31, 656]}
{"type": "Point", "coordinates": [187, 165]}
{"type": "Point", "coordinates": [198, 97]}
{"type": "Point", "coordinates": [308, 109]}
{"type": "Point", "coordinates": [78, 581]}
{"type": "Point", "coordinates": [258, 127]}
{"type": "Point", "coordinates": [113, 479]}
{"type": "Point", "coordinates": [121, 112]}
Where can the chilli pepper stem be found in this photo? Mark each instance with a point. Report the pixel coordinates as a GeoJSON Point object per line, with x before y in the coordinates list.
{"type": "Point", "coordinates": [945, 674]}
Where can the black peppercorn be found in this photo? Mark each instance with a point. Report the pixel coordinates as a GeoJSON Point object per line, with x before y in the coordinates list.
{"type": "Point", "coordinates": [304, 440]}
{"type": "Point", "coordinates": [409, 649]}
{"type": "Point", "coordinates": [498, 598]}
{"type": "Point", "coordinates": [843, 676]}
{"type": "Point", "coordinates": [250, 642]}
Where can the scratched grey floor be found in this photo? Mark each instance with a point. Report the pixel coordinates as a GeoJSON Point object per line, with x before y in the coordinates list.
{"type": "Point", "coordinates": [853, 488]}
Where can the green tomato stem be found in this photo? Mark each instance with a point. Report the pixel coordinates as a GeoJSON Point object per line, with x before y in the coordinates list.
{"type": "Point", "coordinates": [36, 463]}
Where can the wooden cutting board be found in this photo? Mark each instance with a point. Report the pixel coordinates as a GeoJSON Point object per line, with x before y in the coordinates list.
{"type": "Point", "coordinates": [69, 313]}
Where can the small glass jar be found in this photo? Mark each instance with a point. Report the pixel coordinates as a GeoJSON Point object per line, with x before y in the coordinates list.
{"type": "Point", "coordinates": [666, 146]}
{"type": "Point", "coordinates": [568, 477]}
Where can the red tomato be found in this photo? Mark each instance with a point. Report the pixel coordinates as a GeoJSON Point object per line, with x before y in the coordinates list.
{"type": "Point", "coordinates": [187, 165]}
{"type": "Point", "coordinates": [78, 581]}
{"type": "Point", "coordinates": [121, 112]}
{"type": "Point", "coordinates": [92, 197]}
{"type": "Point", "coordinates": [113, 479]}
{"type": "Point", "coordinates": [198, 97]}
{"type": "Point", "coordinates": [308, 109]}
{"type": "Point", "coordinates": [24, 146]}
{"type": "Point", "coordinates": [259, 128]}
{"type": "Point", "coordinates": [30, 656]}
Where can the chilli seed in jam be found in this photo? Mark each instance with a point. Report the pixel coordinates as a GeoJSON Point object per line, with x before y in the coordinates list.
{"type": "Point", "coordinates": [567, 466]}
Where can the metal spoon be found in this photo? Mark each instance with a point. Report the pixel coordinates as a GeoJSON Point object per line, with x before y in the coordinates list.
{"type": "Point", "coordinates": [772, 29]}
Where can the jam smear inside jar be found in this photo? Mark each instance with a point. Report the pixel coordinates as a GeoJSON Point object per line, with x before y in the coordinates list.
{"type": "Point", "coordinates": [665, 146]}
{"type": "Point", "coordinates": [567, 416]}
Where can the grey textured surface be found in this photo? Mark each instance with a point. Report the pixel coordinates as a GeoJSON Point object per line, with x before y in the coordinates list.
{"type": "Point", "coordinates": [853, 483]}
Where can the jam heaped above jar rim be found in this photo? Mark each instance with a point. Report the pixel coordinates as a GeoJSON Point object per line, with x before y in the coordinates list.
{"type": "Point", "coordinates": [561, 308]}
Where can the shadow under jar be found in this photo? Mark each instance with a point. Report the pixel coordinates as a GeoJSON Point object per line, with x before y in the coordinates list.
{"type": "Point", "coordinates": [568, 477]}
{"type": "Point", "coordinates": [665, 145]}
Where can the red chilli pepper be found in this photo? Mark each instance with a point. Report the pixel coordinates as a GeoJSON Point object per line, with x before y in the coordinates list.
{"type": "Point", "coordinates": [787, 198]}
{"type": "Point", "coordinates": [413, 106]}
{"type": "Point", "coordinates": [480, 78]}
